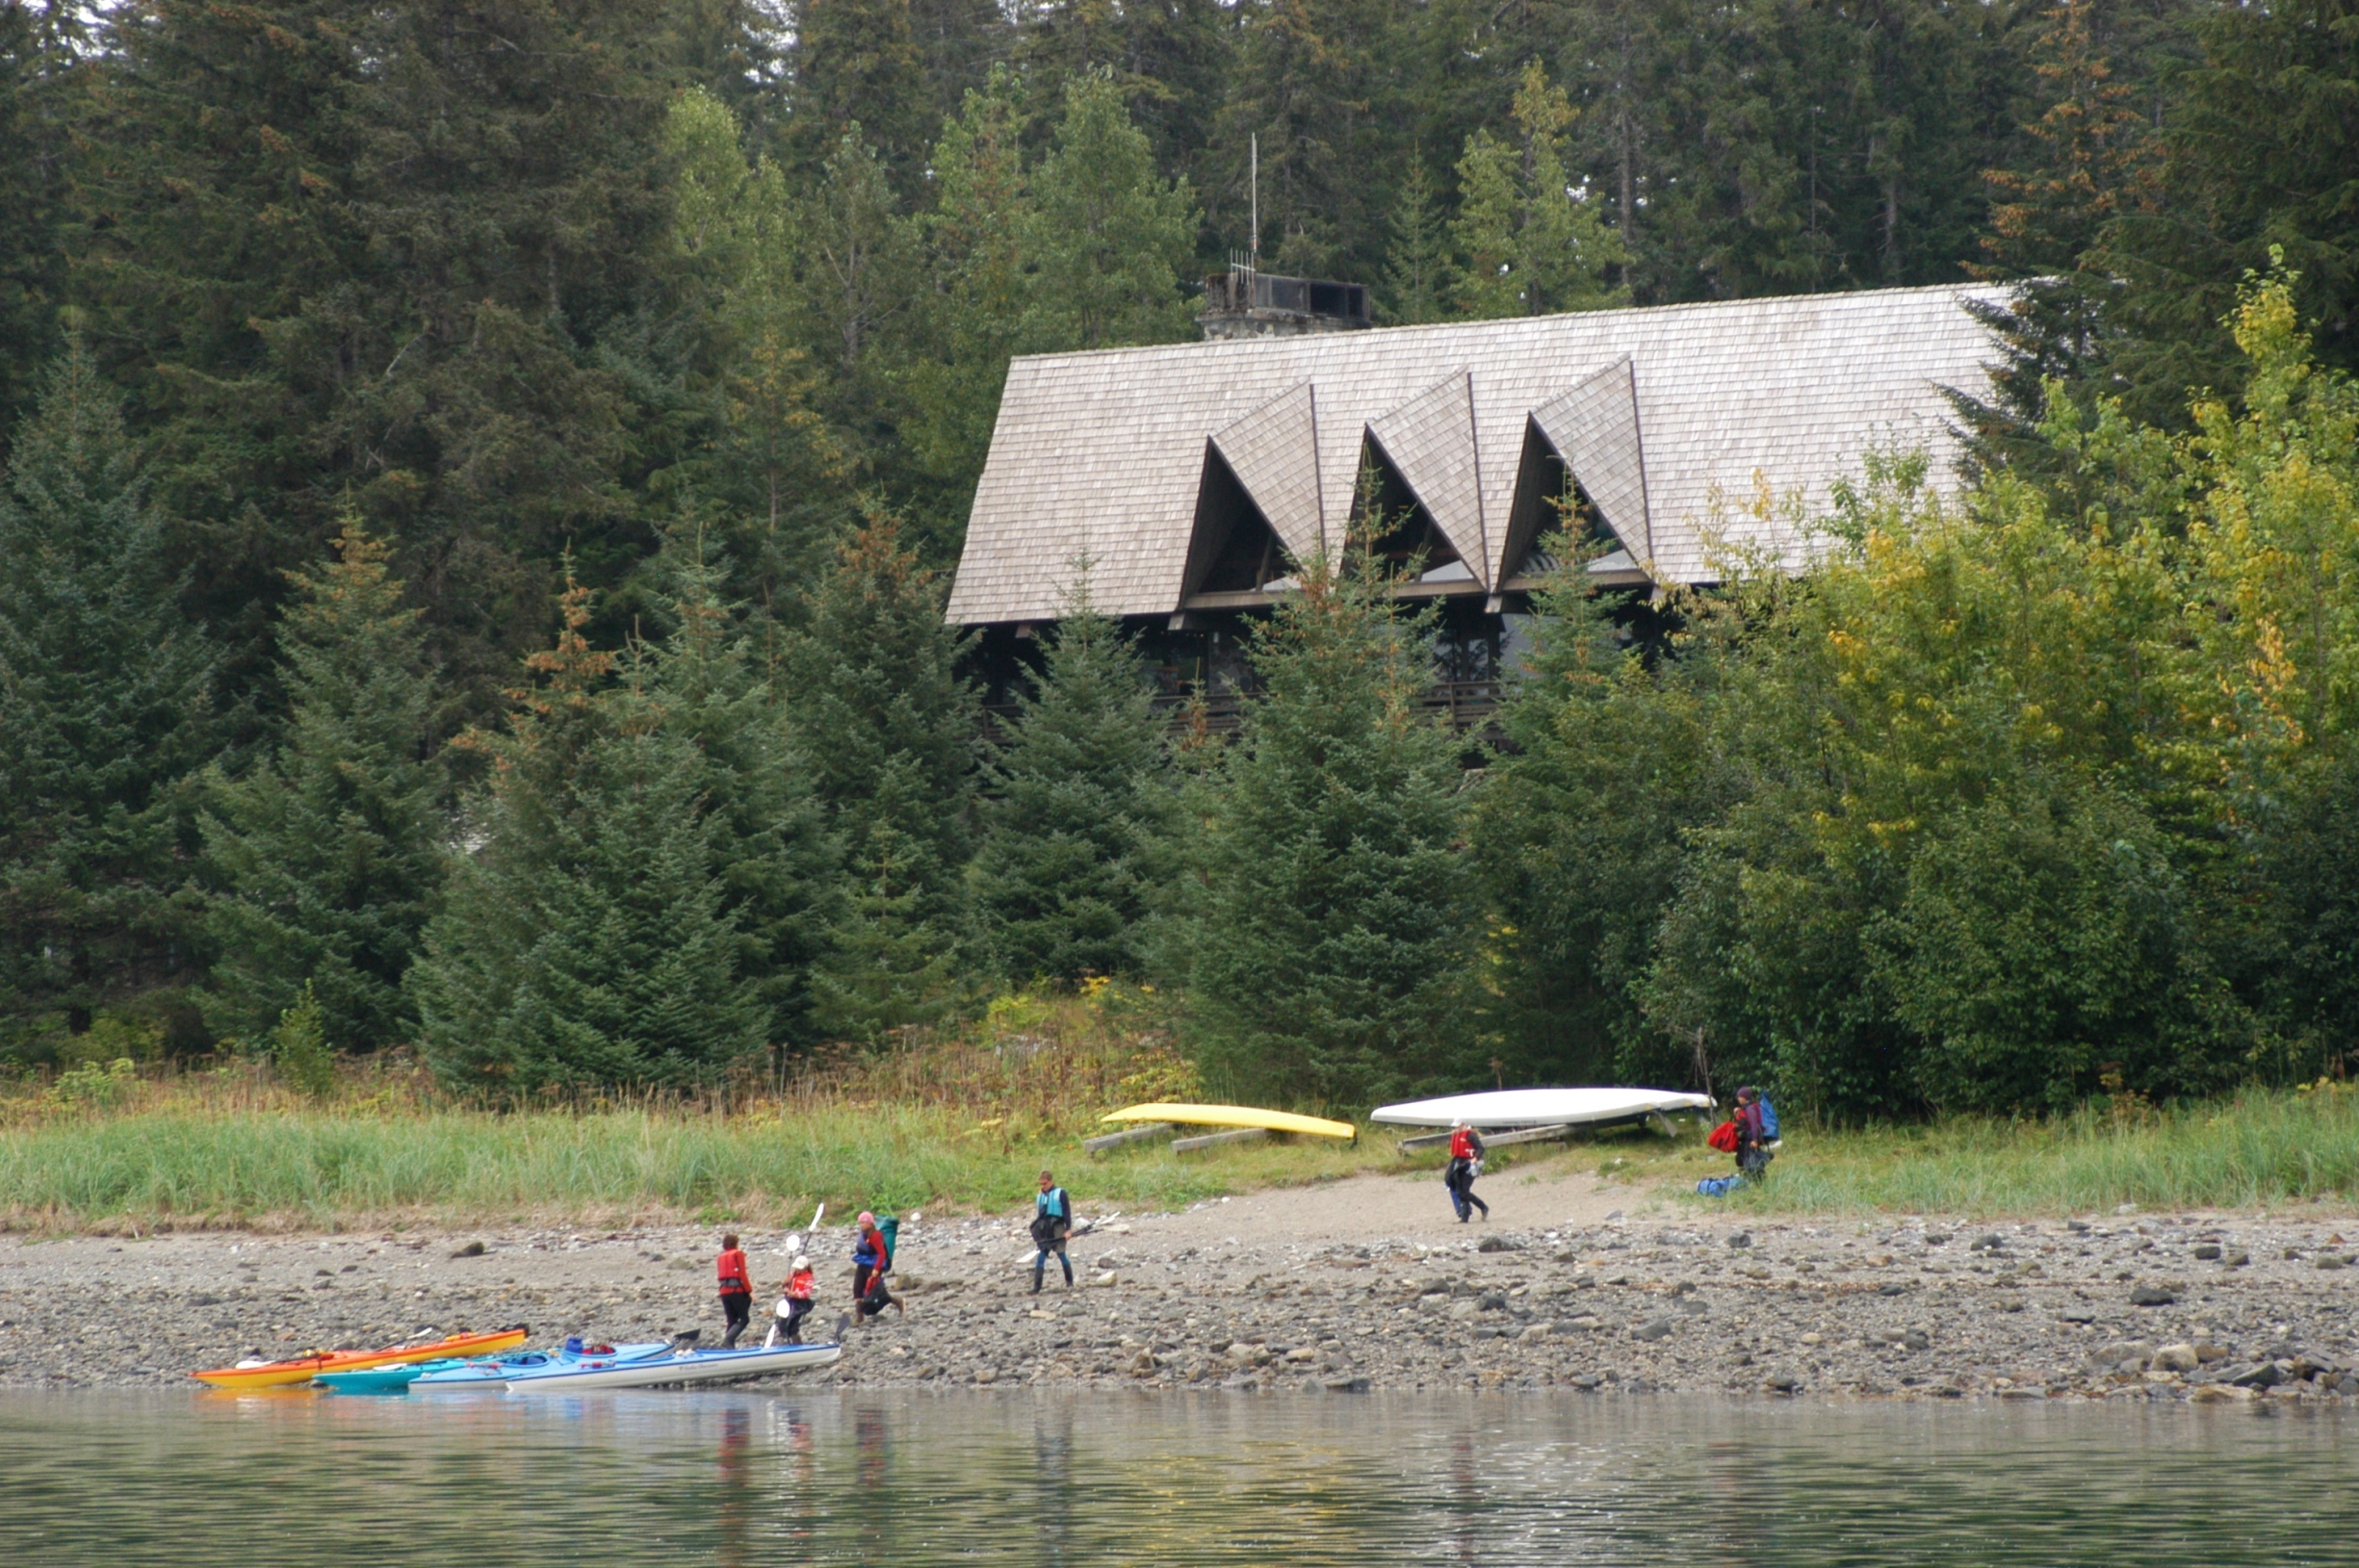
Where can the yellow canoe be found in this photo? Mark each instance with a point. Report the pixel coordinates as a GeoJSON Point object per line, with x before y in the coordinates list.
{"type": "Point", "coordinates": [303, 1368]}
{"type": "Point", "coordinates": [1235, 1116]}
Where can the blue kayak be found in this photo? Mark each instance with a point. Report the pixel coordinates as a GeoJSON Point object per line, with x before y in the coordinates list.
{"type": "Point", "coordinates": [371, 1379]}
{"type": "Point", "coordinates": [495, 1370]}
{"type": "Point", "coordinates": [676, 1367]}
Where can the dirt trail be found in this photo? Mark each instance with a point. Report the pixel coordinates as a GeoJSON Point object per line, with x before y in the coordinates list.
{"type": "Point", "coordinates": [1415, 1208]}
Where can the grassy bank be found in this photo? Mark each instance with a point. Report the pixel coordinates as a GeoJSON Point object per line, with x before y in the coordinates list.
{"type": "Point", "coordinates": [967, 1120]}
{"type": "Point", "coordinates": [312, 1168]}
{"type": "Point", "coordinates": [2257, 1149]}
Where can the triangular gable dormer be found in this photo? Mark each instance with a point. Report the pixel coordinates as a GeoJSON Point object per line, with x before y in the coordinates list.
{"type": "Point", "coordinates": [1590, 437]}
{"type": "Point", "coordinates": [1428, 443]}
{"type": "Point", "coordinates": [1232, 548]}
{"type": "Point", "coordinates": [1403, 531]}
{"type": "Point", "coordinates": [1274, 453]}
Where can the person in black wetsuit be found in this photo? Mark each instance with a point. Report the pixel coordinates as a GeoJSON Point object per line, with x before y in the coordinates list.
{"type": "Point", "coordinates": [1051, 1224]}
{"type": "Point", "coordinates": [1466, 1161]}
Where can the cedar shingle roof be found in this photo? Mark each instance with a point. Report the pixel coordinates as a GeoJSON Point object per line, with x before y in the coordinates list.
{"type": "Point", "coordinates": [1100, 454]}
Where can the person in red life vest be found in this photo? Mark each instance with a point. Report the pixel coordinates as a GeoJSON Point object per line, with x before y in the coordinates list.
{"type": "Point", "coordinates": [801, 1294]}
{"type": "Point", "coordinates": [1466, 1164]}
{"type": "Point", "coordinates": [737, 1288]}
{"type": "Point", "coordinates": [871, 1261]}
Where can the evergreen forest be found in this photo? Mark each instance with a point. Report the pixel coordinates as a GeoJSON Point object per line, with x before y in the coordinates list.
{"type": "Point", "coordinates": [479, 481]}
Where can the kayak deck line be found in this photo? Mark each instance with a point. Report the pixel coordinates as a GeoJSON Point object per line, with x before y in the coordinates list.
{"type": "Point", "coordinates": [303, 1368]}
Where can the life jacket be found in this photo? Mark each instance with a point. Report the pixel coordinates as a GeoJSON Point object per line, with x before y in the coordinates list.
{"type": "Point", "coordinates": [1052, 1217]}
{"type": "Point", "coordinates": [800, 1285]}
{"type": "Point", "coordinates": [730, 1266]}
{"type": "Point", "coordinates": [1462, 1144]}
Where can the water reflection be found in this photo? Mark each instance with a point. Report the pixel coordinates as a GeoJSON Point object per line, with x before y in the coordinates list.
{"type": "Point", "coordinates": [802, 1476]}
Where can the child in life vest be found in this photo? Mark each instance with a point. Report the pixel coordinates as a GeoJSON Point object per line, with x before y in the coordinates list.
{"type": "Point", "coordinates": [736, 1287]}
{"type": "Point", "coordinates": [801, 1294]}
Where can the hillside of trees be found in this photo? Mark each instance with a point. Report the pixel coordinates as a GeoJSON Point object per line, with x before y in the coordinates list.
{"type": "Point", "coordinates": [481, 480]}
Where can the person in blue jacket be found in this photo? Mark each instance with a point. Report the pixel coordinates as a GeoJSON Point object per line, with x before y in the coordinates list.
{"type": "Point", "coordinates": [1051, 1224]}
{"type": "Point", "coordinates": [1752, 1139]}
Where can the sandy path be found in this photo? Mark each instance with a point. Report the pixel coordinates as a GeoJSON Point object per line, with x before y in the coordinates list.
{"type": "Point", "coordinates": [1403, 1208]}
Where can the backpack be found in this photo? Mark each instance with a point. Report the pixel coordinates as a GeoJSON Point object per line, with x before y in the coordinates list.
{"type": "Point", "coordinates": [1769, 1120]}
{"type": "Point", "coordinates": [889, 1226]}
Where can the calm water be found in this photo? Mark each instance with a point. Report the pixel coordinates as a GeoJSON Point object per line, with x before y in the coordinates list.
{"type": "Point", "coordinates": [781, 1479]}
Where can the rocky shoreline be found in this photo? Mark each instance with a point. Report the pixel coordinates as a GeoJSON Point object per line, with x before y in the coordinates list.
{"type": "Point", "coordinates": [2214, 1307]}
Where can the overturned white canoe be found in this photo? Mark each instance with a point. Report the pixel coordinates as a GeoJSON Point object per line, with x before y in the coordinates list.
{"type": "Point", "coordinates": [685, 1366]}
{"type": "Point", "coordinates": [1538, 1107]}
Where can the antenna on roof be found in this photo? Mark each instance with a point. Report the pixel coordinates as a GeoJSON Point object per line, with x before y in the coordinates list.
{"type": "Point", "coordinates": [1256, 200]}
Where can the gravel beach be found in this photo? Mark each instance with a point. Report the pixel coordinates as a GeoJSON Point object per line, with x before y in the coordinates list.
{"type": "Point", "coordinates": [1357, 1285]}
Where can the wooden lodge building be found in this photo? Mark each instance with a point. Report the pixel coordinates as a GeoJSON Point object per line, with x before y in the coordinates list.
{"type": "Point", "coordinates": [1185, 475]}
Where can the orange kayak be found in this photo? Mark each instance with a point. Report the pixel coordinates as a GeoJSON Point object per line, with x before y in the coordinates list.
{"type": "Point", "coordinates": [304, 1368]}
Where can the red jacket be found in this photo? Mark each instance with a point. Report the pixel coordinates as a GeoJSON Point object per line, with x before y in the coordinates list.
{"type": "Point", "coordinates": [730, 1266]}
{"type": "Point", "coordinates": [1464, 1146]}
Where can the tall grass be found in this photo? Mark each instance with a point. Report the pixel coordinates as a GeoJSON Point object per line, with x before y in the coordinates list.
{"type": "Point", "coordinates": [2257, 1148]}
{"type": "Point", "coordinates": [967, 1120]}
{"type": "Point", "coordinates": [317, 1169]}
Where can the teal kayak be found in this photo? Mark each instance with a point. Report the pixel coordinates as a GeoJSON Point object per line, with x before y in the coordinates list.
{"type": "Point", "coordinates": [370, 1381]}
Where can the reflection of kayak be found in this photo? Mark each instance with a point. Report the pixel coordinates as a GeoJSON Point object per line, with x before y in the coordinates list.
{"type": "Point", "coordinates": [1235, 1116]}
{"type": "Point", "coordinates": [490, 1371]}
{"type": "Point", "coordinates": [681, 1367]}
{"type": "Point", "coordinates": [303, 1368]}
{"type": "Point", "coordinates": [391, 1380]}
{"type": "Point", "coordinates": [1537, 1107]}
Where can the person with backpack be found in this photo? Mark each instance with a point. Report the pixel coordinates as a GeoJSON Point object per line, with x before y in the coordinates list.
{"type": "Point", "coordinates": [871, 1261]}
{"type": "Point", "coordinates": [1466, 1164]}
{"type": "Point", "coordinates": [1051, 1224]}
{"type": "Point", "coordinates": [1757, 1128]}
{"type": "Point", "coordinates": [736, 1289]}
{"type": "Point", "coordinates": [794, 1305]}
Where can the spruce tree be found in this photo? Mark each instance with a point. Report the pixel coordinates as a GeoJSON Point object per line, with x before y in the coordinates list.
{"type": "Point", "coordinates": [708, 684]}
{"type": "Point", "coordinates": [1330, 949]}
{"type": "Point", "coordinates": [889, 727]}
{"type": "Point", "coordinates": [105, 699]}
{"type": "Point", "coordinates": [39, 48]}
{"type": "Point", "coordinates": [1077, 819]}
{"type": "Point", "coordinates": [587, 938]}
{"type": "Point", "coordinates": [325, 859]}
{"type": "Point", "coordinates": [977, 237]}
{"type": "Point", "coordinates": [1532, 245]}
{"type": "Point", "coordinates": [1112, 236]}
{"type": "Point", "coordinates": [1420, 275]}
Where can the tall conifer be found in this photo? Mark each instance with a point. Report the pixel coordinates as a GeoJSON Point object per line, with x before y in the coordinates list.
{"type": "Point", "coordinates": [588, 936]}
{"type": "Point", "coordinates": [1533, 245]}
{"type": "Point", "coordinates": [889, 727]}
{"type": "Point", "coordinates": [1330, 949]}
{"type": "Point", "coordinates": [105, 699]}
{"type": "Point", "coordinates": [325, 856]}
{"type": "Point", "coordinates": [1076, 826]}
